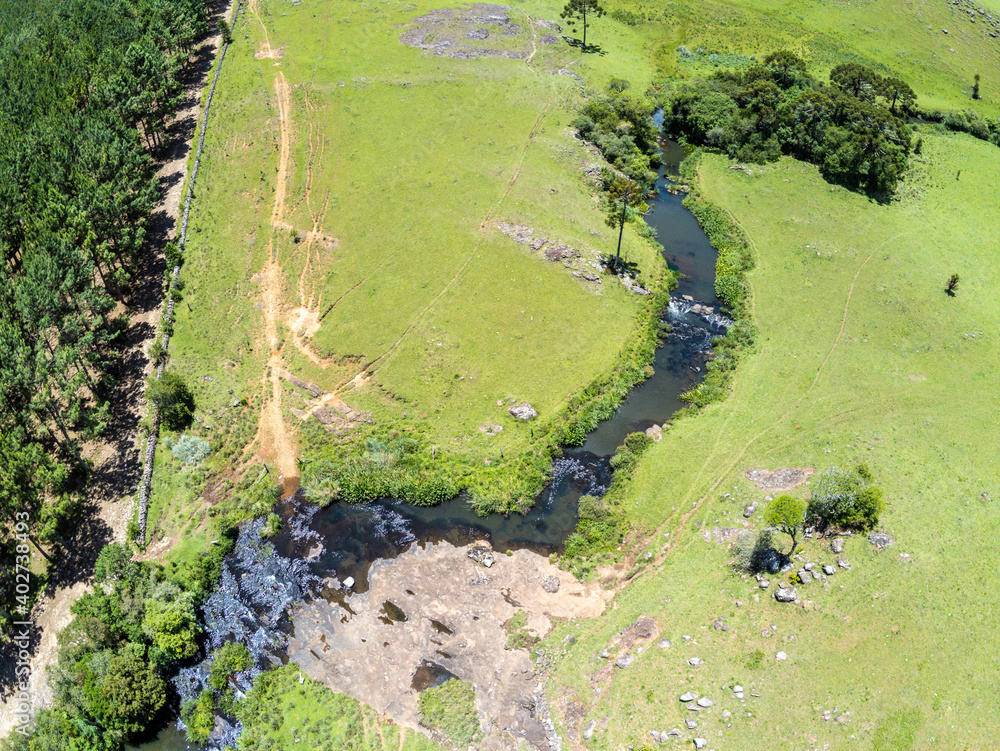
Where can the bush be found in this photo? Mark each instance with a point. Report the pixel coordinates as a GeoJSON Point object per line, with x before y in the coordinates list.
{"type": "Point", "coordinates": [845, 499]}
{"type": "Point", "coordinates": [199, 717]}
{"type": "Point", "coordinates": [173, 400]}
{"type": "Point", "coordinates": [233, 657]}
{"type": "Point", "coordinates": [111, 563]}
{"type": "Point", "coordinates": [190, 449]}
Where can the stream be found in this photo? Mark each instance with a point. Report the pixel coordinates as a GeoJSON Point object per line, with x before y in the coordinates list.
{"type": "Point", "coordinates": [318, 549]}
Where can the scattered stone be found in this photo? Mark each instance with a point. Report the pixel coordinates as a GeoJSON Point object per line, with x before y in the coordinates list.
{"type": "Point", "coordinates": [523, 411]}
{"type": "Point", "coordinates": [490, 429]}
{"type": "Point", "coordinates": [482, 555]}
{"type": "Point", "coordinates": [700, 743]}
{"type": "Point", "coordinates": [720, 624]}
{"type": "Point", "coordinates": [804, 576]}
{"type": "Point", "coordinates": [633, 287]}
{"type": "Point", "coordinates": [674, 732]}
{"type": "Point", "coordinates": [689, 696]}
{"type": "Point", "coordinates": [781, 657]}
{"type": "Point", "coordinates": [748, 511]}
{"type": "Point", "coordinates": [737, 689]}
{"type": "Point", "coordinates": [704, 702]}
{"type": "Point", "coordinates": [880, 540]}
{"type": "Point", "coordinates": [691, 724]}
{"type": "Point", "coordinates": [663, 644]}
{"type": "Point", "coordinates": [624, 661]}
{"type": "Point", "coordinates": [550, 584]}
{"type": "Point", "coordinates": [655, 432]}
{"type": "Point", "coordinates": [604, 654]}
{"type": "Point", "coordinates": [843, 564]}
{"type": "Point", "coordinates": [809, 566]}
{"type": "Point", "coordinates": [829, 570]}
{"type": "Point", "coordinates": [588, 732]}
{"type": "Point", "coordinates": [726, 714]}
{"type": "Point", "coordinates": [696, 661]}
{"type": "Point", "coordinates": [786, 594]}
{"type": "Point", "coordinates": [837, 545]}
{"type": "Point", "coordinates": [764, 583]}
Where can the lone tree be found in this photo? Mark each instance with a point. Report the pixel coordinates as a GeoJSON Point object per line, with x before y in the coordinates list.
{"type": "Point", "coordinates": [173, 399]}
{"type": "Point", "coordinates": [624, 204]}
{"type": "Point", "coordinates": [787, 514]}
{"type": "Point", "coordinates": [952, 287]}
{"type": "Point", "coordinates": [579, 10]}
{"type": "Point", "coordinates": [975, 87]}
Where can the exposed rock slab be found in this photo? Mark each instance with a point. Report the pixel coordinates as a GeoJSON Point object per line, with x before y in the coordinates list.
{"type": "Point", "coordinates": [374, 661]}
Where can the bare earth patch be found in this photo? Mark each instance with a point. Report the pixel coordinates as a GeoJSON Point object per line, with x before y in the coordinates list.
{"type": "Point", "coordinates": [455, 610]}
{"type": "Point", "coordinates": [480, 30]}
{"type": "Point", "coordinates": [779, 479]}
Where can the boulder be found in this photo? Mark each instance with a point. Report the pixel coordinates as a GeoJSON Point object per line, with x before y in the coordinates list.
{"type": "Point", "coordinates": [674, 732]}
{"type": "Point", "coordinates": [786, 594]}
{"type": "Point", "coordinates": [704, 702]}
{"type": "Point", "coordinates": [880, 540]}
{"type": "Point", "coordinates": [837, 545]}
{"type": "Point", "coordinates": [691, 724]}
{"type": "Point", "coordinates": [764, 583]}
{"type": "Point", "coordinates": [550, 584]}
{"type": "Point", "coordinates": [700, 743]}
{"type": "Point", "coordinates": [482, 555]}
{"type": "Point", "coordinates": [748, 511]}
{"type": "Point", "coordinates": [689, 696]}
{"type": "Point", "coordinates": [805, 576]}
{"type": "Point", "coordinates": [829, 570]}
{"type": "Point", "coordinates": [523, 411]}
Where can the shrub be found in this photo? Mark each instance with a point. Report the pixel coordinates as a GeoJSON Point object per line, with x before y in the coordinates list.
{"type": "Point", "coordinates": [190, 449]}
{"type": "Point", "coordinates": [199, 717]}
{"type": "Point", "coordinates": [786, 513]}
{"type": "Point", "coordinates": [233, 657]}
{"type": "Point", "coordinates": [111, 563]}
{"type": "Point", "coordinates": [172, 399]}
{"type": "Point", "coordinates": [845, 498]}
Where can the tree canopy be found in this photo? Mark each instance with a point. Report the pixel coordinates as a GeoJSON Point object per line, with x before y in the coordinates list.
{"type": "Point", "coordinates": [581, 11]}
{"type": "Point", "coordinates": [787, 514]}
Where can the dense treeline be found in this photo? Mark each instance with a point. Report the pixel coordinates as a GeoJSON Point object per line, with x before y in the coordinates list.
{"type": "Point", "coordinates": [853, 126]}
{"type": "Point", "coordinates": [86, 89]}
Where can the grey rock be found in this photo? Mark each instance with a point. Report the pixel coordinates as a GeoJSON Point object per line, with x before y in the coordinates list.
{"type": "Point", "coordinates": [880, 540]}
{"type": "Point", "coordinates": [781, 657]}
{"type": "Point", "coordinates": [664, 736]}
{"type": "Point", "coordinates": [843, 564]}
{"type": "Point", "coordinates": [700, 743]}
{"type": "Point", "coordinates": [837, 545]}
{"type": "Point", "coordinates": [691, 724]}
{"type": "Point", "coordinates": [764, 583]}
{"type": "Point", "coordinates": [588, 732]}
{"type": "Point", "coordinates": [481, 555]}
{"type": "Point", "coordinates": [786, 594]}
{"type": "Point", "coordinates": [550, 584]}
{"type": "Point", "coordinates": [604, 654]}
{"type": "Point", "coordinates": [829, 570]}
{"type": "Point", "coordinates": [674, 732]}
{"type": "Point", "coordinates": [663, 643]}
{"type": "Point", "coordinates": [809, 566]}
{"type": "Point", "coordinates": [689, 696]}
{"type": "Point", "coordinates": [655, 432]}
{"type": "Point", "coordinates": [624, 661]}
{"type": "Point", "coordinates": [737, 689]}
{"type": "Point", "coordinates": [696, 661]}
{"type": "Point", "coordinates": [805, 576]}
{"type": "Point", "coordinates": [523, 411]}
{"type": "Point", "coordinates": [748, 511]}
{"type": "Point", "coordinates": [704, 702]}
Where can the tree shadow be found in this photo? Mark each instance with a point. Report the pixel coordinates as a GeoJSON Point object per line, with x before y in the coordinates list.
{"type": "Point", "coordinates": [587, 49]}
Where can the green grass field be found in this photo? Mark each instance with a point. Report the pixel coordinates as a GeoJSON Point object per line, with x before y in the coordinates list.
{"type": "Point", "coordinates": [861, 356]}
{"type": "Point", "coordinates": [344, 232]}
{"type": "Point", "coordinates": [907, 386]}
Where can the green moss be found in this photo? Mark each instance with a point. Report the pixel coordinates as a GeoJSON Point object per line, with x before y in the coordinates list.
{"type": "Point", "coordinates": [450, 708]}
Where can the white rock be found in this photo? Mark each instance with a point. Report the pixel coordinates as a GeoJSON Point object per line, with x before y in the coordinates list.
{"type": "Point", "coordinates": [348, 582]}
{"type": "Point", "coordinates": [689, 696]}
{"type": "Point", "coordinates": [696, 661]}
{"type": "Point", "coordinates": [700, 743]}
{"type": "Point", "coordinates": [704, 702]}
{"type": "Point", "coordinates": [737, 689]}
{"type": "Point", "coordinates": [781, 657]}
